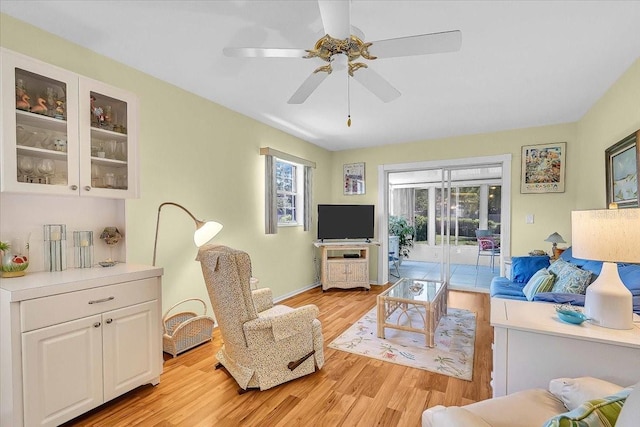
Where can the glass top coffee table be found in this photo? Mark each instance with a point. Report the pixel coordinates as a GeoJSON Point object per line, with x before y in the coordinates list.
{"type": "Point", "coordinates": [428, 298]}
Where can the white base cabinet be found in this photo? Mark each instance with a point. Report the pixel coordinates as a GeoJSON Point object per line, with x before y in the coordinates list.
{"type": "Point", "coordinates": [532, 346]}
{"type": "Point", "coordinates": [79, 342]}
{"type": "Point", "coordinates": [62, 371]}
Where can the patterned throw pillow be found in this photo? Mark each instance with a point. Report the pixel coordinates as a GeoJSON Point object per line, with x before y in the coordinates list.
{"type": "Point", "coordinates": [541, 281]}
{"type": "Point", "coordinates": [557, 266]}
{"type": "Point", "coordinates": [572, 280]}
{"type": "Point", "coordinates": [602, 412]}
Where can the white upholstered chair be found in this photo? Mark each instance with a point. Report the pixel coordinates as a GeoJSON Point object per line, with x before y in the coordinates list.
{"type": "Point", "coordinates": [264, 344]}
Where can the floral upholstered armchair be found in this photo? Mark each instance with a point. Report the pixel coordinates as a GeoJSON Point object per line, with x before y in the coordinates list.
{"type": "Point", "coordinates": [264, 345]}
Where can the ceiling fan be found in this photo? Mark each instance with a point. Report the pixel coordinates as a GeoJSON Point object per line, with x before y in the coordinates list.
{"type": "Point", "coordinates": [341, 48]}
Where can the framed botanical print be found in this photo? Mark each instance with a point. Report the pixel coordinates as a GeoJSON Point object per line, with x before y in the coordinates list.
{"type": "Point", "coordinates": [622, 164]}
{"type": "Point", "coordinates": [543, 168]}
{"type": "Point", "coordinates": [353, 182]}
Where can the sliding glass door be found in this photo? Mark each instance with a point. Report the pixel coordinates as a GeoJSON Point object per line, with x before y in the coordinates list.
{"type": "Point", "coordinates": [444, 207]}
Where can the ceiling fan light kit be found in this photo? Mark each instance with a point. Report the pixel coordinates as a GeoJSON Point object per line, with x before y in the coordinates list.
{"type": "Point", "coordinates": [340, 49]}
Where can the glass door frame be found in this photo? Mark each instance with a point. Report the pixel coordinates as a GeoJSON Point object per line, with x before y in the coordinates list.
{"type": "Point", "coordinates": [382, 216]}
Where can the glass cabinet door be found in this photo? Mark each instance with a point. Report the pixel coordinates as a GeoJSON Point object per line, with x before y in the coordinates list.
{"type": "Point", "coordinates": [39, 127]}
{"type": "Point", "coordinates": [65, 134]}
{"type": "Point", "coordinates": [107, 141]}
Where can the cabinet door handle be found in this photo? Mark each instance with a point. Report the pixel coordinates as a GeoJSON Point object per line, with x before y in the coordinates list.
{"type": "Point", "coordinates": [96, 325]}
{"type": "Point", "coordinates": [109, 320]}
{"type": "Point", "coordinates": [98, 301]}
{"type": "Point", "coordinates": [74, 187]}
{"type": "Point", "coordinates": [87, 188]}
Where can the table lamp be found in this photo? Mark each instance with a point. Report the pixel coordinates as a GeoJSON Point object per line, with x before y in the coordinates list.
{"type": "Point", "coordinates": [554, 238]}
{"type": "Point", "coordinates": [205, 230]}
{"type": "Point", "coordinates": [610, 236]}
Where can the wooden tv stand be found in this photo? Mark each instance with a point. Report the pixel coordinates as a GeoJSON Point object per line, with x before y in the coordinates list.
{"type": "Point", "coordinates": [344, 265]}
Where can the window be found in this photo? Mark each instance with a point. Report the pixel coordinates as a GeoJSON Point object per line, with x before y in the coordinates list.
{"type": "Point", "coordinates": [290, 199]}
{"type": "Point", "coordinates": [288, 183]}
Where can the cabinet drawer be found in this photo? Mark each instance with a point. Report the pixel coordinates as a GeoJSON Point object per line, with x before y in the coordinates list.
{"type": "Point", "coordinates": [55, 309]}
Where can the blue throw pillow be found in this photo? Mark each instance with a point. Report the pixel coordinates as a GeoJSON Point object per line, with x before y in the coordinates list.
{"type": "Point", "coordinates": [630, 276]}
{"type": "Point", "coordinates": [524, 267]}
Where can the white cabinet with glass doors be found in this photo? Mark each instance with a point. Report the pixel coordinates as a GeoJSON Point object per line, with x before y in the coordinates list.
{"type": "Point", "coordinates": [65, 134]}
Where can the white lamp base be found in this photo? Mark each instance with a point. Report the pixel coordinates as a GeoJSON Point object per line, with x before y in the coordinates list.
{"type": "Point", "coordinates": [608, 303]}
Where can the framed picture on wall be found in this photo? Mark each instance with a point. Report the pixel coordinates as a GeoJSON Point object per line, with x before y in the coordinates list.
{"type": "Point", "coordinates": [622, 161]}
{"type": "Point", "coordinates": [353, 178]}
{"type": "Point", "coordinates": [543, 168]}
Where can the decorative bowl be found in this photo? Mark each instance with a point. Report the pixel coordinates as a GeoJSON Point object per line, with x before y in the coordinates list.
{"type": "Point", "coordinates": [571, 316]}
{"type": "Point", "coordinates": [13, 265]}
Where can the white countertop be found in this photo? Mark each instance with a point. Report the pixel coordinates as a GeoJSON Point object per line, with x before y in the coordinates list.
{"type": "Point", "coordinates": [540, 317]}
{"type": "Point", "coordinates": [40, 284]}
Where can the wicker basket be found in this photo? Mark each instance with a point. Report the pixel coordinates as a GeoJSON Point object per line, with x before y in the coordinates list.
{"type": "Point", "coordinates": [186, 329]}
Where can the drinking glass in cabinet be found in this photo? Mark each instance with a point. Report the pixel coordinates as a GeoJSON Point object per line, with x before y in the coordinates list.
{"type": "Point", "coordinates": [96, 176]}
{"type": "Point", "coordinates": [110, 149]}
{"type": "Point", "coordinates": [24, 137]}
{"type": "Point", "coordinates": [109, 180]}
{"type": "Point", "coordinates": [41, 139]}
{"type": "Point", "coordinates": [46, 168]}
{"type": "Point", "coordinates": [121, 182]}
{"type": "Point", "coordinates": [26, 167]}
{"type": "Point", "coordinates": [121, 151]}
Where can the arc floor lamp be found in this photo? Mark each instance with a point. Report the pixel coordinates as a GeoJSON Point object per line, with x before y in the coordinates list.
{"type": "Point", "coordinates": [205, 230]}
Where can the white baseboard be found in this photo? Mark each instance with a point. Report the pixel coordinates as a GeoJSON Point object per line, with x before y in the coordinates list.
{"type": "Point", "coordinates": [296, 292]}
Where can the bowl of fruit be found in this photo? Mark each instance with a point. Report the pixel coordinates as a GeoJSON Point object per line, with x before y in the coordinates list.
{"type": "Point", "coordinates": [13, 264]}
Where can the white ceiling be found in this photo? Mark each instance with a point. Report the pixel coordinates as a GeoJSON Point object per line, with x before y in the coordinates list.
{"type": "Point", "coordinates": [522, 63]}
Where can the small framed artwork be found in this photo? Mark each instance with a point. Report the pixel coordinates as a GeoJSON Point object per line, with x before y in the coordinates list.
{"type": "Point", "coordinates": [353, 178]}
{"type": "Point", "coordinates": [543, 168]}
{"type": "Point", "coordinates": [622, 164]}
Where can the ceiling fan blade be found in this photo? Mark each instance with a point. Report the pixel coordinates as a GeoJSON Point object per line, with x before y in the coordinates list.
{"type": "Point", "coordinates": [336, 18]}
{"type": "Point", "coordinates": [448, 41]}
{"type": "Point", "coordinates": [266, 52]}
{"type": "Point", "coordinates": [376, 84]}
{"type": "Point", "coordinates": [308, 86]}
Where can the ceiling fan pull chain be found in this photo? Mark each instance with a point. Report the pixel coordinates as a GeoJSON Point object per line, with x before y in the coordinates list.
{"type": "Point", "coordinates": [348, 101]}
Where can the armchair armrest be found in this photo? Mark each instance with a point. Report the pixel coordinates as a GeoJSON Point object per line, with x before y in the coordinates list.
{"type": "Point", "coordinates": [262, 299]}
{"type": "Point", "coordinates": [284, 325]}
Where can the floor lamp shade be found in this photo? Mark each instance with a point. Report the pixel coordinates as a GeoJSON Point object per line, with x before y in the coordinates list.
{"type": "Point", "coordinates": [610, 236]}
{"type": "Point", "coordinates": [205, 230]}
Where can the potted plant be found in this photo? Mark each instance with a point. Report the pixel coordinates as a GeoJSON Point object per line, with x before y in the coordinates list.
{"type": "Point", "coordinates": [4, 250]}
{"type": "Point", "coordinates": [398, 226]}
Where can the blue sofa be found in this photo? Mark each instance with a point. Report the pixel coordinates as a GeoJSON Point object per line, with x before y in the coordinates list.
{"type": "Point", "coordinates": [522, 268]}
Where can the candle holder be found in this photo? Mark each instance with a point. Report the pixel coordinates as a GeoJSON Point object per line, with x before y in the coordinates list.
{"type": "Point", "coordinates": [83, 248]}
{"type": "Point", "coordinates": [55, 247]}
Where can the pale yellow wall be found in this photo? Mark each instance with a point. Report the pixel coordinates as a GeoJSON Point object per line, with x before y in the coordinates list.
{"type": "Point", "coordinates": [611, 118]}
{"type": "Point", "coordinates": [198, 154]}
{"type": "Point", "coordinates": [615, 116]}
{"type": "Point", "coordinates": [205, 156]}
{"type": "Point", "coordinates": [551, 211]}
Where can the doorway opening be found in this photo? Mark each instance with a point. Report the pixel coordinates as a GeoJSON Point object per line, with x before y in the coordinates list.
{"type": "Point", "coordinates": [456, 216]}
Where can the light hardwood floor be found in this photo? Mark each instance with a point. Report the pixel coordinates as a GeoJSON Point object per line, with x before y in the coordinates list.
{"type": "Point", "coordinates": [350, 390]}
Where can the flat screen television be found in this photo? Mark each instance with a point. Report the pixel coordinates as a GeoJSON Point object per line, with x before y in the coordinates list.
{"type": "Point", "coordinates": [345, 221]}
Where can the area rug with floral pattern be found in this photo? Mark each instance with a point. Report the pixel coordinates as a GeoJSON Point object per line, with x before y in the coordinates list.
{"type": "Point", "coordinates": [452, 354]}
